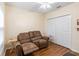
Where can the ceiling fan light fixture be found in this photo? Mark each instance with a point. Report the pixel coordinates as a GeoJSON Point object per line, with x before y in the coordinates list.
{"type": "Point", "coordinates": [45, 6]}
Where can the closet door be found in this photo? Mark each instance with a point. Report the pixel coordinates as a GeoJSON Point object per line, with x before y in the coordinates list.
{"type": "Point", "coordinates": [62, 30]}
{"type": "Point", "coordinates": [51, 29]}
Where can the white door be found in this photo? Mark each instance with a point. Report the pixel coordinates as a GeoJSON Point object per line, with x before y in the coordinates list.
{"type": "Point", "coordinates": [51, 29]}
{"type": "Point", "coordinates": [62, 31]}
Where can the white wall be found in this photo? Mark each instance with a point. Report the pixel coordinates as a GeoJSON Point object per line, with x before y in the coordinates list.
{"type": "Point", "coordinates": [19, 20]}
{"type": "Point", "coordinates": [73, 10]}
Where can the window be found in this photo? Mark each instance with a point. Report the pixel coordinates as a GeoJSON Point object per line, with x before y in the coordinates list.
{"type": "Point", "coordinates": [1, 29]}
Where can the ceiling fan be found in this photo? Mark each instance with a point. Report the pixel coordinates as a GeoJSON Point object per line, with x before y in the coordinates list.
{"type": "Point", "coordinates": [45, 5]}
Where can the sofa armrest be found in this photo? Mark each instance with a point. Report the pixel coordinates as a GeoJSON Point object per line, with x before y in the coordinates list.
{"type": "Point", "coordinates": [46, 38]}
{"type": "Point", "coordinates": [17, 43]}
{"type": "Point", "coordinates": [19, 50]}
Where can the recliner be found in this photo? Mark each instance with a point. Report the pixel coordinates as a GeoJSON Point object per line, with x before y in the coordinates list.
{"type": "Point", "coordinates": [32, 41]}
{"type": "Point", "coordinates": [38, 39]}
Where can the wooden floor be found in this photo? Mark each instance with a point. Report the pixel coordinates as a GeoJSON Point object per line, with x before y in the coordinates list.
{"type": "Point", "coordinates": [52, 50]}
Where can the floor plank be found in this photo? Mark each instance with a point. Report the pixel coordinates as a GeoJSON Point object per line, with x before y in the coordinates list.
{"type": "Point", "coordinates": [52, 50]}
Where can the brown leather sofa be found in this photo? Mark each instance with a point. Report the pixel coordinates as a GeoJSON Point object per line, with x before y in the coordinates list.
{"type": "Point", "coordinates": [32, 41]}
{"type": "Point", "coordinates": [38, 39]}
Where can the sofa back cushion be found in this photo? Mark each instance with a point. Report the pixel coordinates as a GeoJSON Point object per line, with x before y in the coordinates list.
{"type": "Point", "coordinates": [24, 37]}
{"type": "Point", "coordinates": [25, 41]}
{"type": "Point", "coordinates": [37, 33]}
{"type": "Point", "coordinates": [31, 34]}
{"type": "Point", "coordinates": [35, 38]}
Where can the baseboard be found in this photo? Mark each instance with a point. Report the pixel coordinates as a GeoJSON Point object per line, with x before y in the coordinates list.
{"type": "Point", "coordinates": [74, 50]}
{"type": "Point", "coordinates": [66, 47]}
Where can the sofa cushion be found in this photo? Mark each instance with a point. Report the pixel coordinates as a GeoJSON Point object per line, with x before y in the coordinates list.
{"type": "Point", "coordinates": [31, 34]}
{"type": "Point", "coordinates": [37, 33]}
{"type": "Point", "coordinates": [24, 41]}
{"type": "Point", "coordinates": [36, 38]}
{"type": "Point", "coordinates": [23, 36]}
{"type": "Point", "coordinates": [36, 42]}
{"type": "Point", "coordinates": [29, 47]}
{"type": "Point", "coordinates": [41, 43]}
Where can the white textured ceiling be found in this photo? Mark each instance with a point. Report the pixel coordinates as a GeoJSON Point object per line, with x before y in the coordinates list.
{"type": "Point", "coordinates": [33, 6]}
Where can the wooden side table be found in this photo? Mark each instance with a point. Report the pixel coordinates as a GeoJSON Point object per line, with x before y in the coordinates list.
{"type": "Point", "coordinates": [11, 52]}
{"type": "Point", "coordinates": [12, 43]}
{"type": "Point", "coordinates": [11, 49]}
